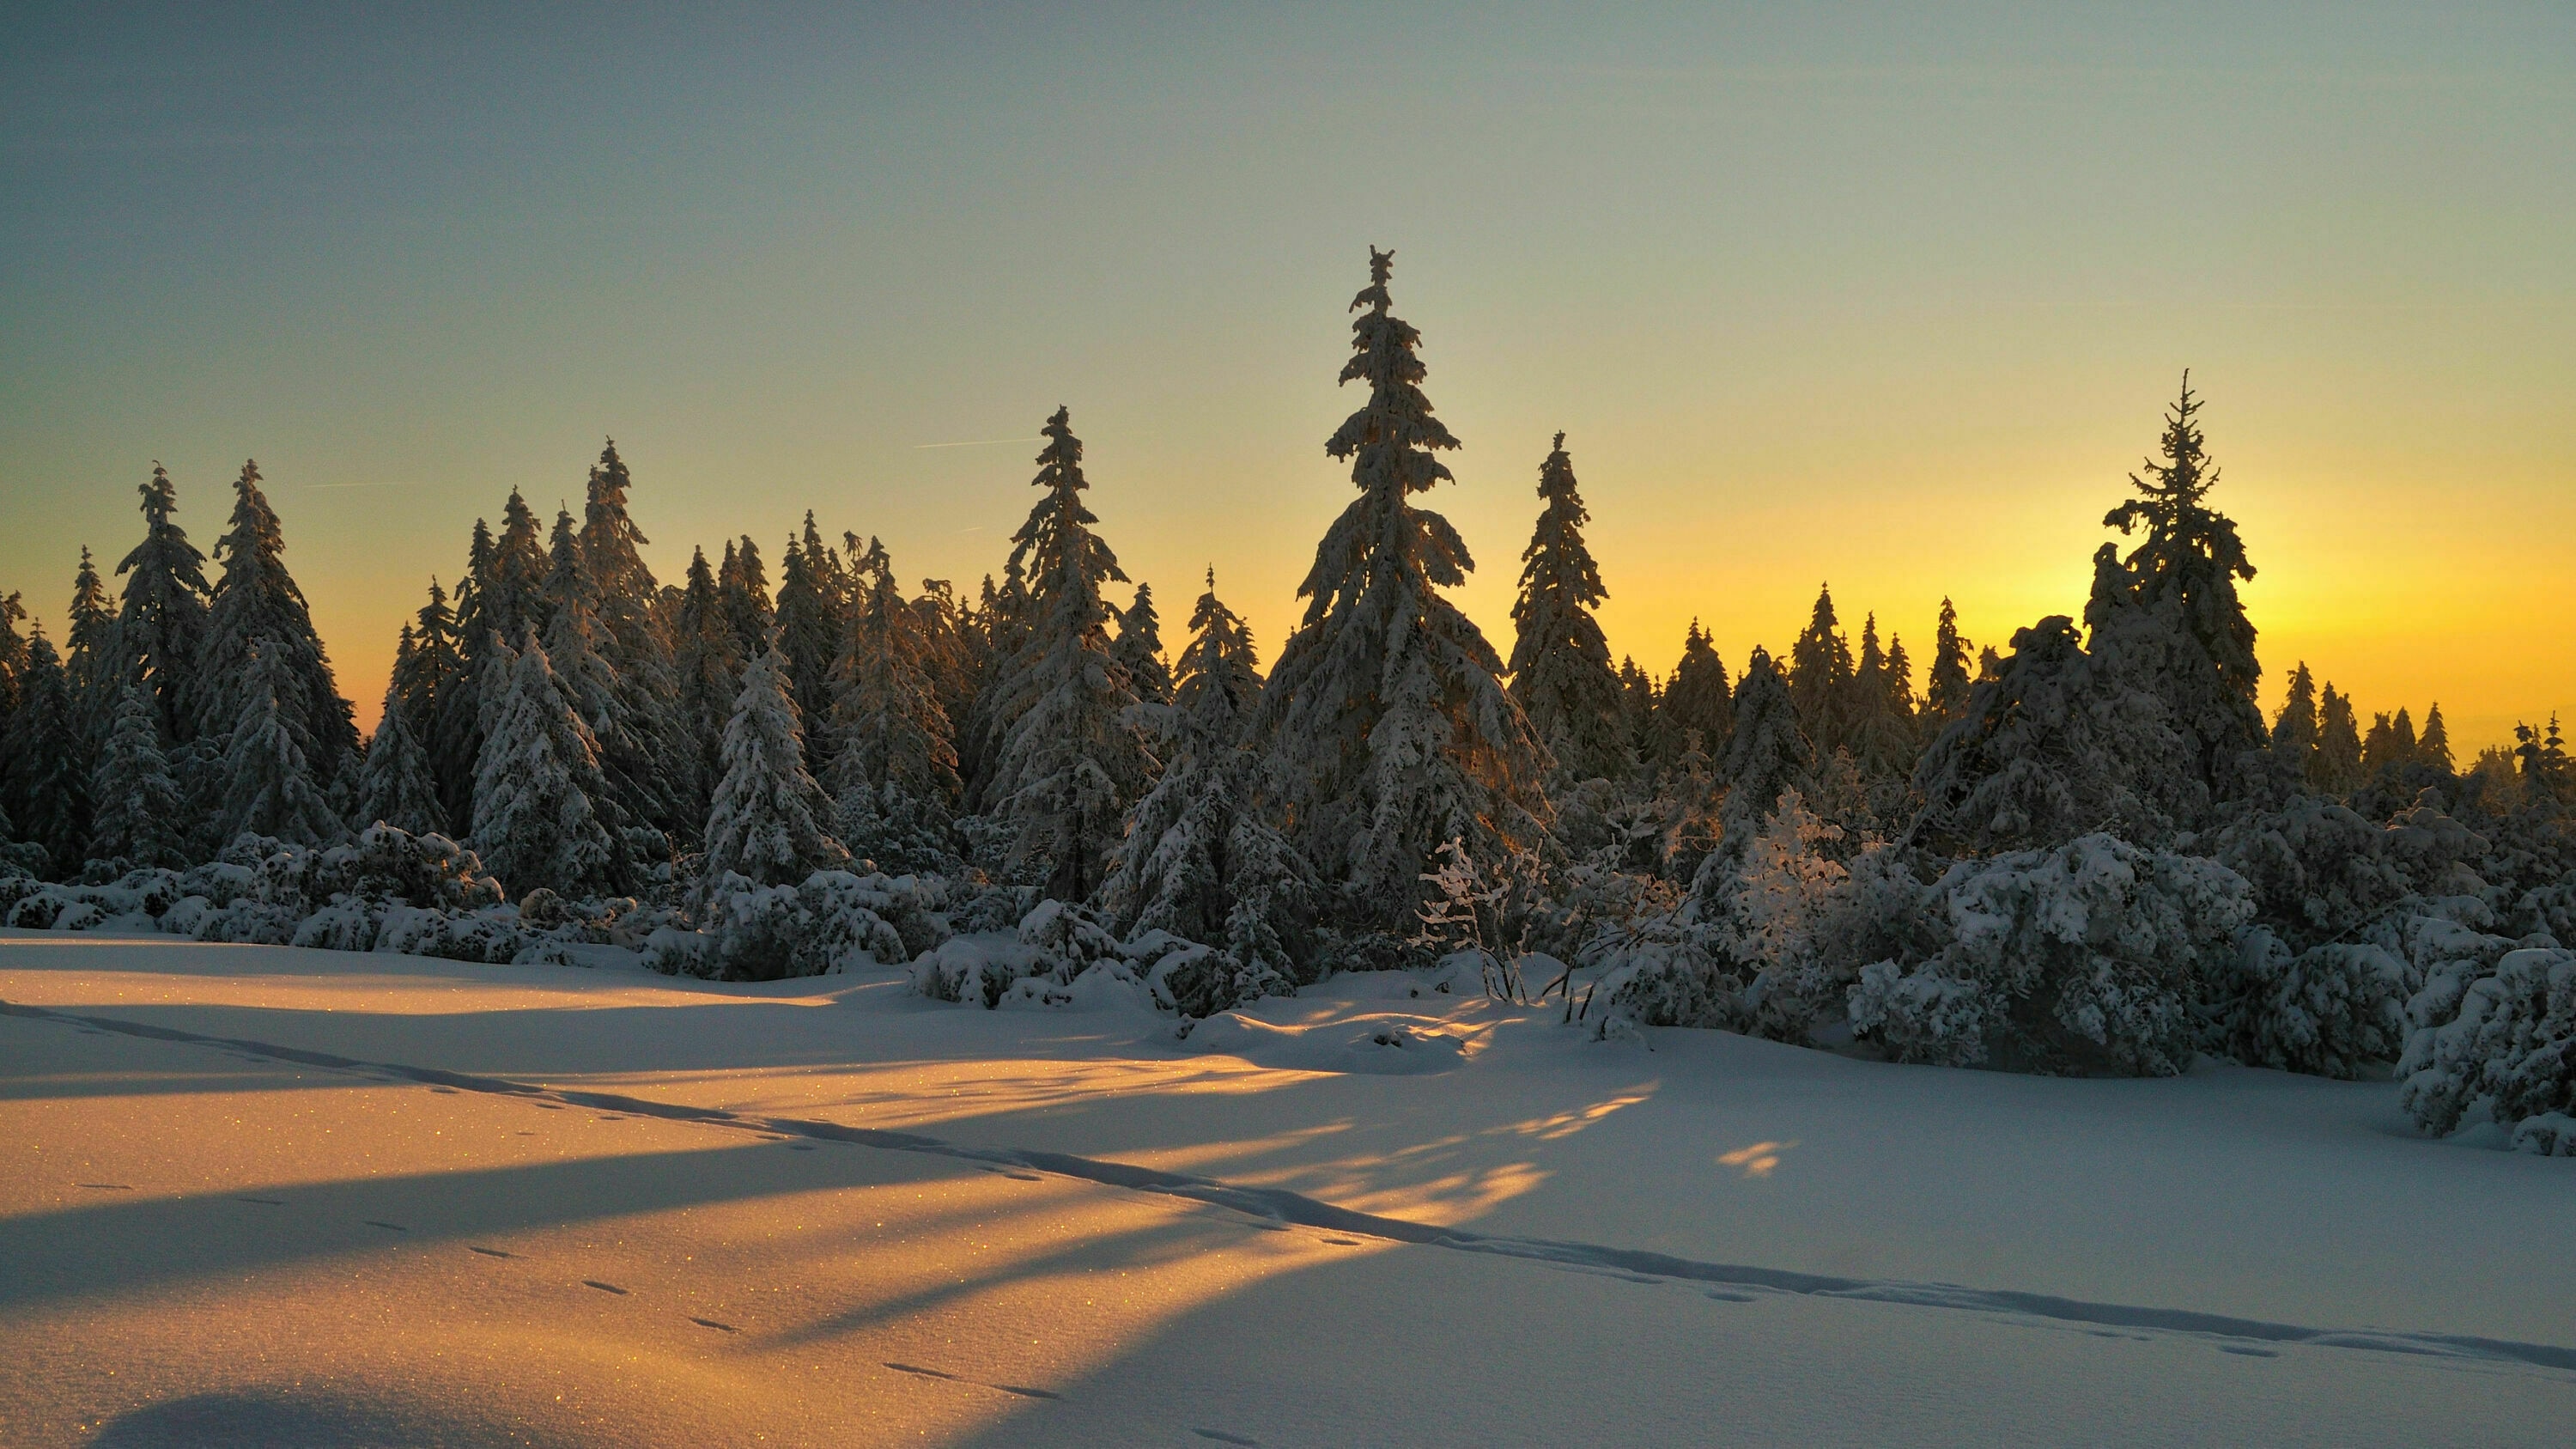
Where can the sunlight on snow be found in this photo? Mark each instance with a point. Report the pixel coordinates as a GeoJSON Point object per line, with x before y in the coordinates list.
{"type": "Point", "coordinates": [1756, 1160]}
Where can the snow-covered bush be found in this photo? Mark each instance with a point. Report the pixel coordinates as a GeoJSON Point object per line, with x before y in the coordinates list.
{"type": "Point", "coordinates": [763, 933]}
{"type": "Point", "coordinates": [2091, 957]}
{"type": "Point", "coordinates": [2506, 1054]}
{"type": "Point", "coordinates": [2325, 1011]}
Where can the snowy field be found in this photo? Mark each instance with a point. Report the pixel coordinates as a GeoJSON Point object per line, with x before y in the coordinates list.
{"type": "Point", "coordinates": [257, 1195]}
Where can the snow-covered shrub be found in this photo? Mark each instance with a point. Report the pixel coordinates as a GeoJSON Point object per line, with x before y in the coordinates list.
{"type": "Point", "coordinates": [2325, 1011]}
{"type": "Point", "coordinates": [490, 936]}
{"type": "Point", "coordinates": [763, 933]}
{"type": "Point", "coordinates": [1197, 980]}
{"type": "Point", "coordinates": [2318, 870]}
{"type": "Point", "coordinates": [2508, 1054]}
{"type": "Point", "coordinates": [2091, 957]}
{"type": "Point", "coordinates": [1066, 955]}
{"type": "Point", "coordinates": [2550, 909]}
{"type": "Point", "coordinates": [347, 924]}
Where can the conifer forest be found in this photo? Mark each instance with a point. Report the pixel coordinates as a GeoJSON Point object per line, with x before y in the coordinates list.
{"type": "Point", "coordinates": [2085, 849]}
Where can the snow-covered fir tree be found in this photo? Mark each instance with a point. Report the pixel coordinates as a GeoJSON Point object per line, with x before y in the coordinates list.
{"type": "Point", "coordinates": [257, 605]}
{"type": "Point", "coordinates": [1952, 675]}
{"type": "Point", "coordinates": [768, 820]}
{"type": "Point", "coordinates": [1201, 859]}
{"type": "Point", "coordinates": [1138, 648]}
{"type": "Point", "coordinates": [1768, 751]}
{"type": "Point", "coordinates": [542, 813]}
{"type": "Point", "coordinates": [1698, 700]}
{"type": "Point", "coordinates": [1073, 757]}
{"type": "Point", "coordinates": [742, 589]}
{"type": "Point", "coordinates": [1820, 675]}
{"type": "Point", "coordinates": [47, 792]}
{"type": "Point", "coordinates": [707, 675]}
{"type": "Point", "coordinates": [2183, 576]}
{"type": "Point", "coordinates": [2335, 766]}
{"type": "Point", "coordinates": [395, 784]}
{"type": "Point", "coordinates": [162, 621]}
{"type": "Point", "coordinates": [1219, 685]}
{"type": "Point", "coordinates": [813, 626]}
{"type": "Point", "coordinates": [1387, 727]}
{"type": "Point", "coordinates": [894, 770]}
{"type": "Point", "coordinates": [134, 801]}
{"type": "Point", "coordinates": [578, 645]}
{"type": "Point", "coordinates": [269, 785]}
{"type": "Point", "coordinates": [637, 644]}
{"type": "Point", "coordinates": [1560, 664]}
{"type": "Point", "coordinates": [94, 670]}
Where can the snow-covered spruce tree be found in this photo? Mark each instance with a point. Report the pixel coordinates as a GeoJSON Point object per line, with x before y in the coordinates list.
{"type": "Point", "coordinates": [1201, 860]}
{"type": "Point", "coordinates": [13, 654]}
{"type": "Point", "coordinates": [1639, 722]}
{"type": "Point", "coordinates": [2335, 766]}
{"type": "Point", "coordinates": [269, 786]}
{"type": "Point", "coordinates": [257, 603]}
{"type": "Point", "coordinates": [2294, 729]}
{"type": "Point", "coordinates": [95, 670]}
{"type": "Point", "coordinates": [767, 824]}
{"type": "Point", "coordinates": [1697, 699]}
{"type": "Point", "coordinates": [47, 791]}
{"type": "Point", "coordinates": [2435, 746]}
{"type": "Point", "coordinates": [1560, 665]}
{"type": "Point", "coordinates": [1820, 677]}
{"type": "Point", "coordinates": [1945, 691]}
{"type": "Point", "coordinates": [1073, 758]}
{"type": "Point", "coordinates": [894, 755]}
{"type": "Point", "coordinates": [1882, 739]}
{"type": "Point", "coordinates": [134, 801]}
{"type": "Point", "coordinates": [1387, 728]}
{"type": "Point", "coordinates": [1220, 676]}
{"type": "Point", "coordinates": [542, 812]}
{"type": "Point", "coordinates": [813, 626]}
{"type": "Point", "coordinates": [1139, 649]}
{"type": "Point", "coordinates": [1767, 753]}
{"type": "Point", "coordinates": [2050, 748]}
{"type": "Point", "coordinates": [2183, 576]}
{"type": "Point", "coordinates": [707, 672]}
{"type": "Point", "coordinates": [638, 639]}
{"type": "Point", "coordinates": [437, 699]}
{"type": "Point", "coordinates": [395, 786]}
{"type": "Point", "coordinates": [742, 588]}
{"type": "Point", "coordinates": [578, 644]}
{"type": "Point", "coordinates": [162, 623]}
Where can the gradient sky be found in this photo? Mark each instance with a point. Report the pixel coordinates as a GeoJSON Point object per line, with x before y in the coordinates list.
{"type": "Point", "coordinates": [1886, 296]}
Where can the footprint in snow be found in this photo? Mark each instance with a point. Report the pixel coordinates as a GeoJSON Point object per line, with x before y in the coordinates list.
{"type": "Point", "coordinates": [389, 1227]}
{"type": "Point", "coordinates": [603, 1287]}
{"type": "Point", "coordinates": [718, 1327]}
{"type": "Point", "coordinates": [490, 1252]}
{"type": "Point", "coordinates": [931, 1373]}
{"type": "Point", "coordinates": [107, 1186]}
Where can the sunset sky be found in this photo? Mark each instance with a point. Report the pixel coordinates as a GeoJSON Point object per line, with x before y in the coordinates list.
{"type": "Point", "coordinates": [1817, 294]}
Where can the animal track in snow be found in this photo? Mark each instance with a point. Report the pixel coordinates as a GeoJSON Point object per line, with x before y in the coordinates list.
{"type": "Point", "coordinates": [490, 1252]}
{"type": "Point", "coordinates": [603, 1287]}
{"type": "Point", "coordinates": [107, 1186]}
{"type": "Point", "coordinates": [389, 1227]}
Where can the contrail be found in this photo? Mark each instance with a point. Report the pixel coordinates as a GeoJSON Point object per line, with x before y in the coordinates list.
{"type": "Point", "coordinates": [979, 443]}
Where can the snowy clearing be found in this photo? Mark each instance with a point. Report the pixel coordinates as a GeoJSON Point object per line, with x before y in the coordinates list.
{"type": "Point", "coordinates": [277, 1196]}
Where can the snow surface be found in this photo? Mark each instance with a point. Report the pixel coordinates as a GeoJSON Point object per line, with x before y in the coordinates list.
{"type": "Point", "coordinates": [259, 1195]}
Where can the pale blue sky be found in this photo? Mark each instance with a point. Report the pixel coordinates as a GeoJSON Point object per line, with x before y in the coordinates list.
{"type": "Point", "coordinates": [1883, 295]}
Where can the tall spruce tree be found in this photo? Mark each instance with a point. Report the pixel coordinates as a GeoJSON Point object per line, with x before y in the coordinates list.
{"type": "Point", "coordinates": [767, 823]}
{"type": "Point", "coordinates": [269, 787]}
{"type": "Point", "coordinates": [1139, 648]}
{"type": "Point", "coordinates": [135, 807]}
{"type": "Point", "coordinates": [47, 792]}
{"type": "Point", "coordinates": [163, 621]}
{"type": "Point", "coordinates": [637, 643]}
{"type": "Point", "coordinates": [742, 587]}
{"type": "Point", "coordinates": [2294, 729]}
{"type": "Point", "coordinates": [2183, 574]}
{"type": "Point", "coordinates": [1697, 700]}
{"type": "Point", "coordinates": [438, 704]}
{"type": "Point", "coordinates": [1820, 677]}
{"type": "Point", "coordinates": [2435, 746]}
{"type": "Point", "coordinates": [894, 772]}
{"type": "Point", "coordinates": [1560, 665]}
{"type": "Point", "coordinates": [95, 670]}
{"type": "Point", "coordinates": [13, 654]}
{"type": "Point", "coordinates": [578, 645]}
{"type": "Point", "coordinates": [257, 606]}
{"type": "Point", "coordinates": [1945, 691]}
{"type": "Point", "coordinates": [1072, 758]}
{"type": "Point", "coordinates": [1768, 752]}
{"type": "Point", "coordinates": [1639, 719]}
{"type": "Point", "coordinates": [395, 785]}
{"type": "Point", "coordinates": [813, 624]}
{"type": "Point", "coordinates": [1219, 685]}
{"type": "Point", "coordinates": [1387, 726]}
{"type": "Point", "coordinates": [2335, 767]}
{"type": "Point", "coordinates": [542, 816]}
{"type": "Point", "coordinates": [707, 666]}
{"type": "Point", "coordinates": [1201, 859]}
